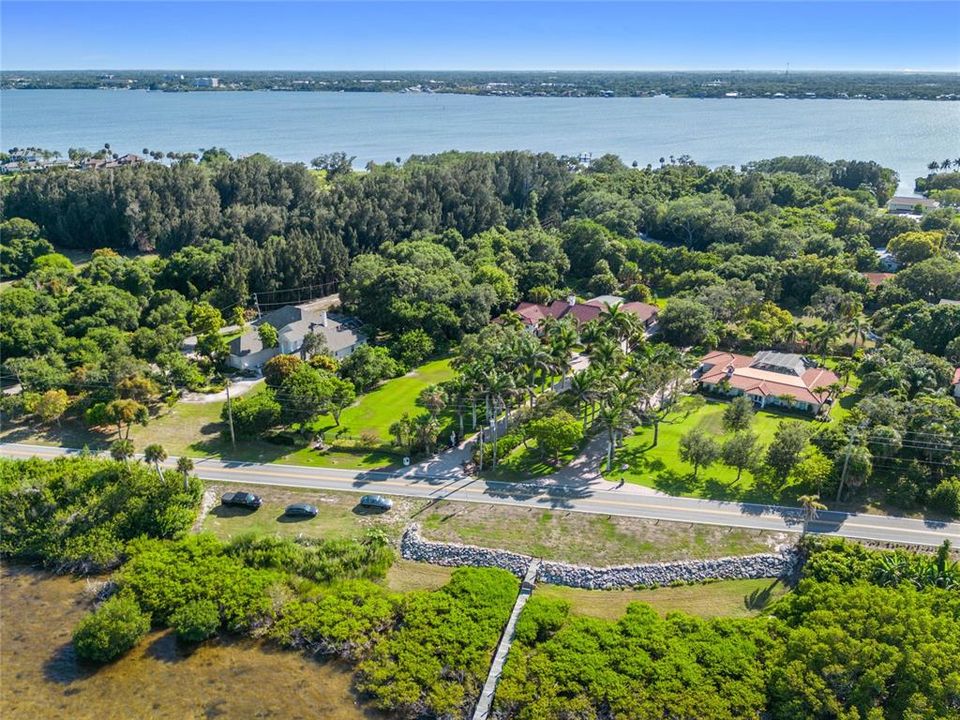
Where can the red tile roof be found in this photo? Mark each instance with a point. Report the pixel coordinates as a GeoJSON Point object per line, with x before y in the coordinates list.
{"type": "Point", "coordinates": [878, 278]}
{"type": "Point", "coordinates": [534, 313]}
{"type": "Point", "coordinates": [956, 377]}
{"type": "Point", "coordinates": [741, 375]}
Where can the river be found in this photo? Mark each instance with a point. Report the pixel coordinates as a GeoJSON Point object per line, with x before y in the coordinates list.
{"type": "Point", "coordinates": [297, 126]}
{"type": "Point", "coordinates": [158, 679]}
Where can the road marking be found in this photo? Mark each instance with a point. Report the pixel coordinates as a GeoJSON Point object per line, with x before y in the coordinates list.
{"type": "Point", "coordinates": [415, 486]}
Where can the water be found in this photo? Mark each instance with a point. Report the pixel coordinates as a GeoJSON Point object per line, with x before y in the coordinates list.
{"type": "Point", "coordinates": [904, 135]}
{"type": "Point", "coordinates": [159, 679]}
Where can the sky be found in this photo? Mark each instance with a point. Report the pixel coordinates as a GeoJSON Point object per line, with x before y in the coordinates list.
{"type": "Point", "coordinates": [546, 35]}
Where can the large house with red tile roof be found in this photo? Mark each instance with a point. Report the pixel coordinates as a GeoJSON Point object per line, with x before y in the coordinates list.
{"type": "Point", "coordinates": [532, 315]}
{"type": "Point", "coordinates": [768, 378]}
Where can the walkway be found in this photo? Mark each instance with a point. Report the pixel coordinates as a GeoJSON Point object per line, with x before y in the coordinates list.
{"type": "Point", "coordinates": [485, 702]}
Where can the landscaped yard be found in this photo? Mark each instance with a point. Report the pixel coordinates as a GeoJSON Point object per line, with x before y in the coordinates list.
{"type": "Point", "coordinates": [377, 410]}
{"type": "Point", "coordinates": [196, 429]}
{"type": "Point", "coordinates": [660, 467]}
{"type": "Point", "coordinates": [725, 598]}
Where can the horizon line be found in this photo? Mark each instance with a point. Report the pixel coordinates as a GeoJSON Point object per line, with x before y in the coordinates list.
{"type": "Point", "coordinates": [782, 71]}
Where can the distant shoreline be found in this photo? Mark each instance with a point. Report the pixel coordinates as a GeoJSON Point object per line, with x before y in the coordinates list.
{"type": "Point", "coordinates": [687, 84]}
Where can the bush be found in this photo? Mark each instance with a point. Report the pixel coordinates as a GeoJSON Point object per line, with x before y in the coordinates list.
{"type": "Point", "coordinates": [112, 630]}
{"type": "Point", "coordinates": [196, 621]}
{"type": "Point", "coordinates": [253, 414]}
{"type": "Point", "coordinates": [946, 497]}
{"type": "Point", "coordinates": [412, 348]}
{"type": "Point", "coordinates": [505, 445]}
{"type": "Point", "coordinates": [76, 514]}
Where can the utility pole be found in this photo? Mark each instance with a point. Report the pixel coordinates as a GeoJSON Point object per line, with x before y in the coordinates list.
{"type": "Point", "coordinates": [233, 439]}
{"type": "Point", "coordinates": [481, 449]}
{"type": "Point", "coordinates": [256, 304]}
{"type": "Point", "coordinates": [846, 463]}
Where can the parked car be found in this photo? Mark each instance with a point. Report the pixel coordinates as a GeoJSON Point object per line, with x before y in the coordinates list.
{"type": "Point", "coordinates": [242, 499]}
{"type": "Point", "coordinates": [301, 510]}
{"type": "Point", "coordinates": [376, 501]}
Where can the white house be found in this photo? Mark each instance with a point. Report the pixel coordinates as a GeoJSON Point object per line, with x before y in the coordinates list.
{"type": "Point", "coordinates": [908, 204]}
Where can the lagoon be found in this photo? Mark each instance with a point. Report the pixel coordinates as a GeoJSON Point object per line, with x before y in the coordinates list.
{"type": "Point", "coordinates": [297, 126]}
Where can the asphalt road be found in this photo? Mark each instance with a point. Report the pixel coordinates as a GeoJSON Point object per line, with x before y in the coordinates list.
{"type": "Point", "coordinates": [588, 497]}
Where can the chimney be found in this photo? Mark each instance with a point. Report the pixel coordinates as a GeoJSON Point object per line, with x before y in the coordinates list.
{"type": "Point", "coordinates": [323, 318]}
{"type": "Point", "coordinates": [571, 299]}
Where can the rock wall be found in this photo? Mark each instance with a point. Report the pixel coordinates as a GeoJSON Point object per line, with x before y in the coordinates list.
{"type": "Point", "coordinates": [764, 565]}
{"type": "Point", "coordinates": [414, 547]}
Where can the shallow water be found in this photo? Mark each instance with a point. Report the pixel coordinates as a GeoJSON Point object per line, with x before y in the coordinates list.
{"type": "Point", "coordinates": [40, 677]}
{"type": "Point", "coordinates": [904, 135]}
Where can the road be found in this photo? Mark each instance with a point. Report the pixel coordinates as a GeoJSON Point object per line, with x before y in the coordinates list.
{"type": "Point", "coordinates": [591, 496]}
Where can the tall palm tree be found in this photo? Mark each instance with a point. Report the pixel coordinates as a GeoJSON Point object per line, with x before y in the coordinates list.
{"type": "Point", "coordinates": [824, 337]}
{"type": "Point", "coordinates": [155, 454]}
{"type": "Point", "coordinates": [434, 399]}
{"type": "Point", "coordinates": [858, 328]}
{"type": "Point", "coordinates": [583, 388]}
{"type": "Point", "coordinates": [536, 361]}
{"type": "Point", "coordinates": [811, 505]}
{"type": "Point", "coordinates": [185, 467]}
{"type": "Point", "coordinates": [616, 419]}
{"type": "Point", "coordinates": [497, 386]}
{"type": "Point", "coordinates": [795, 333]}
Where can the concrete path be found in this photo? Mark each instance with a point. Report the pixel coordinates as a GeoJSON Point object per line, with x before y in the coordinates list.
{"type": "Point", "coordinates": [484, 704]}
{"type": "Point", "coordinates": [238, 388]}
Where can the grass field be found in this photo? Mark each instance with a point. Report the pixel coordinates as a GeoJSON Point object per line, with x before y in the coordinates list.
{"type": "Point", "coordinates": [584, 537]}
{"type": "Point", "coordinates": [725, 598]}
{"type": "Point", "coordinates": [339, 515]}
{"type": "Point", "coordinates": [660, 467]}
{"type": "Point", "coordinates": [378, 409]}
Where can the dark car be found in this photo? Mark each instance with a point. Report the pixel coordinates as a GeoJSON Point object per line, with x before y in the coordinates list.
{"type": "Point", "coordinates": [376, 501]}
{"type": "Point", "coordinates": [242, 499]}
{"type": "Point", "coordinates": [300, 510]}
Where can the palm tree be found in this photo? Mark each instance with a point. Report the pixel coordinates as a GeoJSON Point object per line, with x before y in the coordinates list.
{"type": "Point", "coordinates": [155, 454]}
{"type": "Point", "coordinates": [536, 361]}
{"type": "Point", "coordinates": [497, 386]}
{"type": "Point", "coordinates": [811, 505]}
{"type": "Point", "coordinates": [434, 399]}
{"type": "Point", "coordinates": [122, 450]}
{"type": "Point", "coordinates": [795, 333]}
{"type": "Point", "coordinates": [616, 419]}
{"type": "Point", "coordinates": [583, 388]}
{"type": "Point", "coordinates": [185, 467]}
{"type": "Point", "coordinates": [824, 337]}
{"type": "Point", "coordinates": [858, 328]}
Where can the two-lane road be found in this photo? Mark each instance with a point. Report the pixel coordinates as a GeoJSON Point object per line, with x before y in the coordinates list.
{"type": "Point", "coordinates": [589, 497]}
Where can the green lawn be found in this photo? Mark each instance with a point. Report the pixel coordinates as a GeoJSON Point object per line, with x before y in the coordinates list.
{"type": "Point", "coordinates": [524, 463]}
{"type": "Point", "coordinates": [375, 411]}
{"type": "Point", "coordinates": [195, 428]}
{"type": "Point", "coordinates": [660, 467]}
{"type": "Point", "coordinates": [725, 598]}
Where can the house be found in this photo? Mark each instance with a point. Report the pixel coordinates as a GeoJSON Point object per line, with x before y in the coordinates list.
{"type": "Point", "coordinates": [533, 314]}
{"type": "Point", "coordinates": [886, 261]}
{"type": "Point", "coordinates": [956, 384]}
{"type": "Point", "coordinates": [767, 378]}
{"type": "Point", "coordinates": [206, 82]}
{"type": "Point", "coordinates": [293, 323]}
{"type": "Point", "coordinates": [908, 204]}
